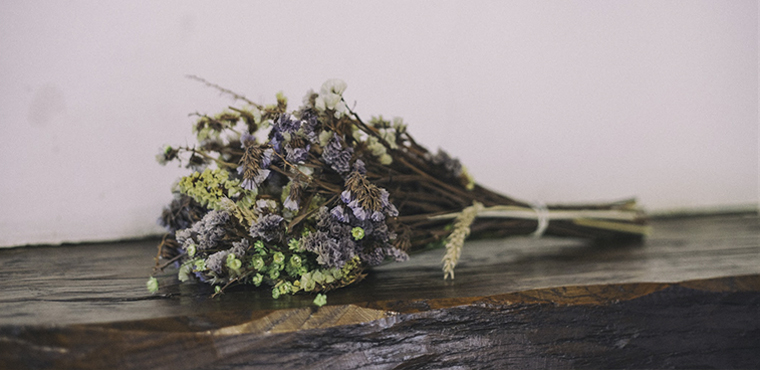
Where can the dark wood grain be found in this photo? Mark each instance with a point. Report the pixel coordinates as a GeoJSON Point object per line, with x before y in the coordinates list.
{"type": "Point", "coordinates": [688, 296]}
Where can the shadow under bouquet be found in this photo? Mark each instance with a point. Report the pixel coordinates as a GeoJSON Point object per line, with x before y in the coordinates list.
{"type": "Point", "coordinates": [308, 200]}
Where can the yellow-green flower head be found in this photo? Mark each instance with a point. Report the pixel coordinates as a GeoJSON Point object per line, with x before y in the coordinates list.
{"type": "Point", "coordinates": [399, 125]}
{"type": "Point", "coordinates": [324, 137]}
{"type": "Point", "coordinates": [184, 271]}
{"type": "Point", "coordinates": [206, 188]}
{"type": "Point", "coordinates": [307, 282]}
{"type": "Point", "coordinates": [294, 244]}
{"type": "Point", "coordinates": [386, 159]}
{"type": "Point", "coordinates": [318, 276]}
{"type": "Point", "coordinates": [286, 287]}
{"type": "Point", "coordinates": [152, 285]}
{"type": "Point", "coordinates": [357, 233]}
{"type": "Point", "coordinates": [389, 135]}
{"type": "Point", "coordinates": [258, 246]}
{"type": "Point", "coordinates": [320, 300]}
{"type": "Point", "coordinates": [295, 261]}
{"type": "Point", "coordinates": [281, 98]}
{"type": "Point", "coordinates": [257, 263]}
{"type": "Point", "coordinates": [234, 263]}
{"type": "Point", "coordinates": [278, 258]}
{"type": "Point", "coordinates": [255, 112]}
{"type": "Point", "coordinates": [257, 279]}
{"type": "Point", "coordinates": [200, 264]}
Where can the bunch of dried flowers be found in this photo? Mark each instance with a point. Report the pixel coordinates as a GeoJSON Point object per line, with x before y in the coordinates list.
{"type": "Point", "coordinates": [307, 200]}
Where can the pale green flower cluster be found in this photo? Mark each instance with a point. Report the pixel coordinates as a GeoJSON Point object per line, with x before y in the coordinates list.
{"type": "Point", "coordinates": [470, 181]}
{"type": "Point", "coordinates": [210, 187]}
{"type": "Point", "coordinates": [152, 284]}
{"type": "Point", "coordinates": [378, 150]}
{"type": "Point", "coordinates": [388, 132]}
{"type": "Point", "coordinates": [320, 300]}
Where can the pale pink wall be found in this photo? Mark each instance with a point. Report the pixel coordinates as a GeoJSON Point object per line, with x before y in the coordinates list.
{"type": "Point", "coordinates": [553, 101]}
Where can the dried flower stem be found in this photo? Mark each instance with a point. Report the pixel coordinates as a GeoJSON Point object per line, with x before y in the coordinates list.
{"type": "Point", "coordinates": [223, 90]}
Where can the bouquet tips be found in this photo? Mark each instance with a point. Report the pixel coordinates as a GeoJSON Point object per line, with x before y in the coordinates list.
{"type": "Point", "coordinates": [308, 200]}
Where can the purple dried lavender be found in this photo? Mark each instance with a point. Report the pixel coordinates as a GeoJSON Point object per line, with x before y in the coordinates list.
{"type": "Point", "coordinates": [376, 256]}
{"type": "Point", "coordinates": [284, 124]}
{"type": "Point", "coordinates": [296, 155]}
{"type": "Point", "coordinates": [452, 165]}
{"type": "Point", "coordinates": [211, 229]}
{"type": "Point", "coordinates": [294, 196]}
{"type": "Point", "coordinates": [346, 196]}
{"type": "Point", "coordinates": [339, 214]}
{"type": "Point", "coordinates": [185, 237]}
{"type": "Point", "coordinates": [246, 138]}
{"type": "Point", "coordinates": [373, 258]}
{"type": "Point", "coordinates": [339, 230]}
{"type": "Point", "coordinates": [330, 252]}
{"type": "Point", "coordinates": [377, 216]}
{"type": "Point", "coordinates": [309, 123]}
{"type": "Point", "coordinates": [396, 254]}
{"type": "Point", "coordinates": [360, 167]}
{"type": "Point", "coordinates": [290, 203]}
{"type": "Point", "coordinates": [357, 210]}
{"type": "Point", "coordinates": [388, 207]}
{"type": "Point", "coordinates": [338, 158]}
{"type": "Point", "coordinates": [266, 159]}
{"type": "Point", "coordinates": [181, 213]}
{"type": "Point", "coordinates": [239, 248]}
{"type": "Point", "coordinates": [337, 224]}
{"type": "Point", "coordinates": [379, 232]}
{"type": "Point", "coordinates": [267, 227]}
{"type": "Point", "coordinates": [206, 233]}
{"type": "Point", "coordinates": [216, 261]}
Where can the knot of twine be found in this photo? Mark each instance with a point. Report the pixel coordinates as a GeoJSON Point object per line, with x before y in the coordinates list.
{"type": "Point", "coordinates": [542, 216]}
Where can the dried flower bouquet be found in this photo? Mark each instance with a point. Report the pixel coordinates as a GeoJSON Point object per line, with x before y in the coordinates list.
{"type": "Point", "coordinates": [306, 201]}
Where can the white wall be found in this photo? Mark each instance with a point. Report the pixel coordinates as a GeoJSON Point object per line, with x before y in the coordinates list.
{"type": "Point", "coordinates": [557, 101]}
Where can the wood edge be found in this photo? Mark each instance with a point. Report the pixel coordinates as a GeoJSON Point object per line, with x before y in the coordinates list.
{"type": "Point", "coordinates": [308, 318]}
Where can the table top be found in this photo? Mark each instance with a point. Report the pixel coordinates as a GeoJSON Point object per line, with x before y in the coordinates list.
{"type": "Point", "coordinates": [73, 290]}
{"type": "Point", "coordinates": [89, 283]}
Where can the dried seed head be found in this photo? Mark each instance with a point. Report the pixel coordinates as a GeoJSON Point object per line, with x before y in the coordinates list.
{"type": "Point", "coordinates": [255, 159]}
{"type": "Point", "coordinates": [367, 194]}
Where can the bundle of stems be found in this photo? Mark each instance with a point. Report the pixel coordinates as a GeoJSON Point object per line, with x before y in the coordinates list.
{"type": "Point", "coordinates": [320, 194]}
{"type": "Point", "coordinates": [427, 204]}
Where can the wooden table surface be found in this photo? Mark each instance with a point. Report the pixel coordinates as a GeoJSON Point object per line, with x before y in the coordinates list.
{"type": "Point", "coordinates": [688, 296]}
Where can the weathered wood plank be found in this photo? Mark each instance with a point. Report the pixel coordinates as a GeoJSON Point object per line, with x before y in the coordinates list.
{"type": "Point", "coordinates": [517, 302]}
{"type": "Point", "coordinates": [106, 282]}
{"type": "Point", "coordinates": [699, 324]}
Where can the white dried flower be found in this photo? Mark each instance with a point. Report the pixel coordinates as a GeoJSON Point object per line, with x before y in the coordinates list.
{"type": "Point", "coordinates": [333, 86]}
{"type": "Point", "coordinates": [330, 97]}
